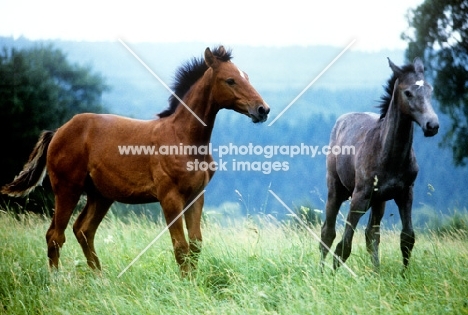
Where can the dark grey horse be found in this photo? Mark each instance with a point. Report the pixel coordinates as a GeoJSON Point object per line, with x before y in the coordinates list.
{"type": "Point", "coordinates": [383, 167]}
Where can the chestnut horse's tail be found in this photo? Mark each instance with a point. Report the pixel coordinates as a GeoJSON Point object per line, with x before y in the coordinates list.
{"type": "Point", "coordinates": [33, 171]}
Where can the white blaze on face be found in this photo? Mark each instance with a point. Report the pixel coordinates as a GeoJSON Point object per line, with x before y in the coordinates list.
{"type": "Point", "coordinates": [241, 73]}
{"type": "Point", "coordinates": [419, 83]}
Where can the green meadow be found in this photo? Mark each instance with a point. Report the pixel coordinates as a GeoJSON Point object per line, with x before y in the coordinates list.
{"type": "Point", "coordinates": [248, 266]}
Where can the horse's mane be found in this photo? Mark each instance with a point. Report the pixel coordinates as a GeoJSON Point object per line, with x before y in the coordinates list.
{"type": "Point", "coordinates": [188, 74]}
{"type": "Point", "coordinates": [388, 94]}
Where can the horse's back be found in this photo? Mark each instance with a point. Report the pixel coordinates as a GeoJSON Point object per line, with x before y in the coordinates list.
{"type": "Point", "coordinates": [350, 128]}
{"type": "Point", "coordinates": [87, 133]}
{"type": "Point", "coordinates": [88, 144]}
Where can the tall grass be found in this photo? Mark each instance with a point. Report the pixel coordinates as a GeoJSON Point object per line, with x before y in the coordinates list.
{"type": "Point", "coordinates": [246, 267]}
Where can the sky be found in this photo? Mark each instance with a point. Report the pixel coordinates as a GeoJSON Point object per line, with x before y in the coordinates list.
{"type": "Point", "coordinates": [374, 24]}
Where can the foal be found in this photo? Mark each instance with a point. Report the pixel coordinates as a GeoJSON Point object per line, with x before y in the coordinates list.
{"type": "Point", "coordinates": [383, 167]}
{"type": "Point", "coordinates": [82, 156]}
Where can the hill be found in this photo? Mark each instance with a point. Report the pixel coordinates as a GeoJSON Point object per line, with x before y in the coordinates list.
{"type": "Point", "coordinates": [284, 71]}
{"type": "Point", "coordinates": [353, 83]}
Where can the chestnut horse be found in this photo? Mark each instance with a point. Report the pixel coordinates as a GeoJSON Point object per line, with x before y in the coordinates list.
{"type": "Point", "coordinates": [83, 156]}
{"type": "Point", "coordinates": [384, 165]}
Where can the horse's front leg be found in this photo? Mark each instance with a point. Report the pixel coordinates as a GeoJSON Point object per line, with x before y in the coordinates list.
{"type": "Point", "coordinates": [193, 220]}
{"type": "Point", "coordinates": [373, 233]}
{"type": "Point", "coordinates": [407, 239]}
{"type": "Point", "coordinates": [172, 207]}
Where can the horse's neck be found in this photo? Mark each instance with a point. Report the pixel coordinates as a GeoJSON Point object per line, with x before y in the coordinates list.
{"type": "Point", "coordinates": [197, 123]}
{"type": "Point", "coordinates": [396, 135]}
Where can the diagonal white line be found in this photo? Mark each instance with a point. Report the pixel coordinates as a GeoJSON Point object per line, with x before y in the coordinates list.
{"type": "Point", "coordinates": [161, 81]}
{"type": "Point", "coordinates": [312, 232]}
{"type": "Point", "coordinates": [312, 82]}
{"type": "Point", "coordinates": [160, 234]}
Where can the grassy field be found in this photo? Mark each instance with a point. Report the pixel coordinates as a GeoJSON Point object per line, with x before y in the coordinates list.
{"type": "Point", "coordinates": [246, 267]}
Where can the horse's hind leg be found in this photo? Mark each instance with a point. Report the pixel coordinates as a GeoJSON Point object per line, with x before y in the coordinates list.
{"type": "Point", "coordinates": [87, 223]}
{"type": "Point", "coordinates": [65, 202]}
{"type": "Point", "coordinates": [336, 195]}
{"type": "Point", "coordinates": [373, 232]}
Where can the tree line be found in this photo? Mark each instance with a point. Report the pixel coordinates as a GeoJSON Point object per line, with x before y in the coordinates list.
{"type": "Point", "coordinates": [39, 90]}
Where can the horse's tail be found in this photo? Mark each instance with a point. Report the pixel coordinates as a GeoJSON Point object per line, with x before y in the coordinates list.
{"type": "Point", "coordinates": [33, 171]}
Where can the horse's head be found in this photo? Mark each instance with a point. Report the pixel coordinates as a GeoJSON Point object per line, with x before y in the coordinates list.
{"type": "Point", "coordinates": [232, 89]}
{"type": "Point", "coordinates": [415, 96]}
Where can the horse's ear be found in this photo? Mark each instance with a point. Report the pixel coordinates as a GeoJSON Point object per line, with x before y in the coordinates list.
{"type": "Point", "coordinates": [222, 50]}
{"type": "Point", "coordinates": [418, 65]}
{"type": "Point", "coordinates": [396, 70]}
{"type": "Point", "coordinates": [210, 59]}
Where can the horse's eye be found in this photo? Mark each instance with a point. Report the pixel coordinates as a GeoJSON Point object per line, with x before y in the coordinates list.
{"type": "Point", "coordinates": [408, 94]}
{"type": "Point", "coordinates": [230, 81]}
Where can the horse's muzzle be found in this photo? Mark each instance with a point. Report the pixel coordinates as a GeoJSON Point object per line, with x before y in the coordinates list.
{"type": "Point", "coordinates": [431, 128]}
{"type": "Point", "coordinates": [261, 113]}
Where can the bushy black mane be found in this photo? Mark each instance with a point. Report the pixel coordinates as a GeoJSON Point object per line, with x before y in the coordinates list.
{"type": "Point", "coordinates": [188, 74]}
{"type": "Point", "coordinates": [387, 97]}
